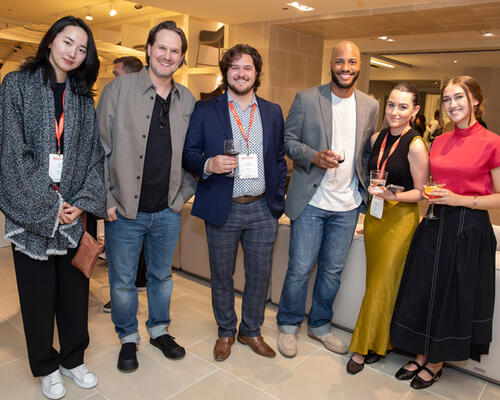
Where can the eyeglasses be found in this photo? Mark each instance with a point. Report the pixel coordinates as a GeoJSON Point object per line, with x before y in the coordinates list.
{"type": "Point", "coordinates": [164, 108]}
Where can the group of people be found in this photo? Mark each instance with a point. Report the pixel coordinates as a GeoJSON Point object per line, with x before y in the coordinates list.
{"type": "Point", "coordinates": [150, 146]}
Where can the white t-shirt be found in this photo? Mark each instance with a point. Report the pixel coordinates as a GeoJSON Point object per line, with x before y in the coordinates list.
{"type": "Point", "coordinates": [338, 190]}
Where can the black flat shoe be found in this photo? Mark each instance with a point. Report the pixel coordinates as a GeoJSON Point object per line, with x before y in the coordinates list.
{"type": "Point", "coordinates": [372, 357]}
{"type": "Point", "coordinates": [404, 374]}
{"type": "Point", "coordinates": [353, 367]}
{"type": "Point", "coordinates": [419, 383]}
{"type": "Point", "coordinates": [127, 359]}
{"type": "Point", "coordinates": [168, 346]}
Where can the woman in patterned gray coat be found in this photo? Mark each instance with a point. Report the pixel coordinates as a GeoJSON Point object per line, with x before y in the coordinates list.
{"type": "Point", "coordinates": [51, 170]}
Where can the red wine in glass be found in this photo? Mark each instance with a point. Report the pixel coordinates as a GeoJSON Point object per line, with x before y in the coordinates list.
{"type": "Point", "coordinates": [231, 148]}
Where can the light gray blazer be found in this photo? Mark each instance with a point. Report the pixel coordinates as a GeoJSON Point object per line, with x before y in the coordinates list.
{"type": "Point", "coordinates": [308, 129]}
{"type": "Point", "coordinates": [124, 113]}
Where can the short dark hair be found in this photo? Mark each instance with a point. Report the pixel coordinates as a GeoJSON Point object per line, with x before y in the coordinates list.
{"type": "Point", "coordinates": [169, 26]}
{"type": "Point", "coordinates": [82, 78]}
{"type": "Point", "coordinates": [409, 88]}
{"type": "Point", "coordinates": [235, 53]}
{"type": "Point", "coordinates": [130, 63]}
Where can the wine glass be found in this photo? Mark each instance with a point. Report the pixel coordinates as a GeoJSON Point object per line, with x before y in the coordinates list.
{"type": "Point", "coordinates": [431, 185]}
{"type": "Point", "coordinates": [340, 159]}
{"type": "Point", "coordinates": [231, 148]}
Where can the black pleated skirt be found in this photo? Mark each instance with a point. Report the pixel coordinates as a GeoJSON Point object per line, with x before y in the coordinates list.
{"type": "Point", "coordinates": [444, 308]}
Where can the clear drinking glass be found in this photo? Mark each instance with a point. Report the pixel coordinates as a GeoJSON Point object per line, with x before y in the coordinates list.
{"type": "Point", "coordinates": [431, 185]}
{"type": "Point", "coordinates": [378, 179]}
{"type": "Point", "coordinates": [231, 148]}
{"type": "Point", "coordinates": [340, 158]}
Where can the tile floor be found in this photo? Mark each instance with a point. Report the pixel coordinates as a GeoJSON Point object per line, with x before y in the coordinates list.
{"type": "Point", "coordinates": [315, 373]}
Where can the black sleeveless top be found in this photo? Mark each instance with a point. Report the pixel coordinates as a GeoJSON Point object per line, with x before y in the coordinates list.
{"type": "Point", "coordinates": [398, 167]}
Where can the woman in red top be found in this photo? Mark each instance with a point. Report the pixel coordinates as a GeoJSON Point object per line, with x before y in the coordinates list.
{"type": "Point", "coordinates": [444, 309]}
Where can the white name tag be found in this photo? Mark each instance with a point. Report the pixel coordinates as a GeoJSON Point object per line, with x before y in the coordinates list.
{"type": "Point", "coordinates": [55, 167]}
{"type": "Point", "coordinates": [377, 207]}
{"type": "Point", "coordinates": [248, 167]}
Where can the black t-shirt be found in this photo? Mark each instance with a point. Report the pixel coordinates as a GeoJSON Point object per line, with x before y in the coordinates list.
{"type": "Point", "coordinates": [156, 172]}
{"type": "Point", "coordinates": [59, 107]}
{"type": "Point", "coordinates": [398, 167]}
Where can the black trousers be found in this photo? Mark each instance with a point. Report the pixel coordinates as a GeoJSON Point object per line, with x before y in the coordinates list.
{"type": "Point", "coordinates": [48, 289]}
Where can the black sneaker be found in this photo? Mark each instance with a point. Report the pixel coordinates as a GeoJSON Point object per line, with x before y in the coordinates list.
{"type": "Point", "coordinates": [107, 307]}
{"type": "Point", "coordinates": [127, 359]}
{"type": "Point", "coordinates": [168, 346]}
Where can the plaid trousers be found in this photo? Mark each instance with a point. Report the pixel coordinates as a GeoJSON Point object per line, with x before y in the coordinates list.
{"type": "Point", "coordinates": [253, 225]}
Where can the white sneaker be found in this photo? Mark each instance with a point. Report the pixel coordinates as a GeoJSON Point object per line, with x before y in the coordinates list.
{"type": "Point", "coordinates": [331, 342]}
{"type": "Point", "coordinates": [287, 344]}
{"type": "Point", "coordinates": [81, 375]}
{"type": "Point", "coordinates": [53, 385]}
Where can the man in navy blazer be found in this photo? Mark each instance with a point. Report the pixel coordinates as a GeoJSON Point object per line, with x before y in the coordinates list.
{"type": "Point", "coordinates": [244, 208]}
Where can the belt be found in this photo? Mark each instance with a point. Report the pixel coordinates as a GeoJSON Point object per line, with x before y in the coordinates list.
{"type": "Point", "coordinates": [247, 199]}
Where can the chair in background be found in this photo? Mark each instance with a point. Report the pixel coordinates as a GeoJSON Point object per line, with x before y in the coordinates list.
{"type": "Point", "coordinates": [212, 39]}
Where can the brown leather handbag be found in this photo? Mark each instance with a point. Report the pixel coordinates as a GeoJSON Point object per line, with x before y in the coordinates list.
{"type": "Point", "coordinates": [88, 251]}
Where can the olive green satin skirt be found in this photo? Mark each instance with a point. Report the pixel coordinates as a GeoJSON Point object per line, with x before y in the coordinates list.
{"type": "Point", "coordinates": [387, 241]}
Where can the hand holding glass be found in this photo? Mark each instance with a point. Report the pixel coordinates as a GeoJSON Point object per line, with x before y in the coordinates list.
{"type": "Point", "coordinates": [340, 157]}
{"type": "Point", "coordinates": [378, 180]}
{"type": "Point", "coordinates": [231, 148]}
{"type": "Point", "coordinates": [431, 185]}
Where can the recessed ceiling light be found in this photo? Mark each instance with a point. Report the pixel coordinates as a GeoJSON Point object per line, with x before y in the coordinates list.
{"type": "Point", "coordinates": [382, 37]}
{"type": "Point", "coordinates": [138, 6]}
{"type": "Point", "coordinates": [455, 61]}
{"type": "Point", "coordinates": [487, 34]}
{"type": "Point", "coordinates": [300, 7]}
{"type": "Point", "coordinates": [390, 39]}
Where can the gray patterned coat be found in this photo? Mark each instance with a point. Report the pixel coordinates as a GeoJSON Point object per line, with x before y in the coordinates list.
{"type": "Point", "coordinates": [27, 137]}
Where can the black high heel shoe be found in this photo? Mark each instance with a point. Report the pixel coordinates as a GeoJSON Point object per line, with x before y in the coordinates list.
{"type": "Point", "coordinates": [404, 374]}
{"type": "Point", "coordinates": [419, 383]}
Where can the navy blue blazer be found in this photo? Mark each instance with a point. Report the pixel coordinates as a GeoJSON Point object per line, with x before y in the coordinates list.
{"type": "Point", "coordinates": [209, 126]}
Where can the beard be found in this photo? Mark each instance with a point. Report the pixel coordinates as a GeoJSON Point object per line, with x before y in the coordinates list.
{"type": "Point", "coordinates": [344, 85]}
{"type": "Point", "coordinates": [161, 74]}
{"type": "Point", "coordinates": [238, 91]}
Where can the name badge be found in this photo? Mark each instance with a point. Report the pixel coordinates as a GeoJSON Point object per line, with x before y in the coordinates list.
{"type": "Point", "coordinates": [55, 167]}
{"type": "Point", "coordinates": [377, 207]}
{"type": "Point", "coordinates": [248, 167]}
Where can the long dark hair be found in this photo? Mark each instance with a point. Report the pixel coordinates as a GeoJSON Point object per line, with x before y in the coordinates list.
{"type": "Point", "coordinates": [82, 78]}
{"type": "Point", "coordinates": [409, 88]}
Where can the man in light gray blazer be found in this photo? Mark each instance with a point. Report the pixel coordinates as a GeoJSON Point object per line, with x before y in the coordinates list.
{"type": "Point", "coordinates": [327, 136]}
{"type": "Point", "coordinates": [143, 120]}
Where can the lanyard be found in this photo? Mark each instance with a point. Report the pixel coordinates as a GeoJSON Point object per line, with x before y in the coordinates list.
{"type": "Point", "coordinates": [240, 125]}
{"type": "Point", "coordinates": [382, 149]}
{"type": "Point", "coordinates": [60, 127]}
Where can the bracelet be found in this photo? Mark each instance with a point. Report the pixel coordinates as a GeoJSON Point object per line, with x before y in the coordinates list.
{"type": "Point", "coordinates": [474, 203]}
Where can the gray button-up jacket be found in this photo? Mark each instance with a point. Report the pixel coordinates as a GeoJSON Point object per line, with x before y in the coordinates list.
{"type": "Point", "coordinates": [124, 114]}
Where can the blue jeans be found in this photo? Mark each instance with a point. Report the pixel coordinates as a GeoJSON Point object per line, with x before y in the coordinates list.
{"type": "Point", "coordinates": [322, 236]}
{"type": "Point", "coordinates": [159, 232]}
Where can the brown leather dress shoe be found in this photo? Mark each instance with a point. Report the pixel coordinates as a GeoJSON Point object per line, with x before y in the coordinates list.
{"type": "Point", "coordinates": [222, 348]}
{"type": "Point", "coordinates": [258, 345]}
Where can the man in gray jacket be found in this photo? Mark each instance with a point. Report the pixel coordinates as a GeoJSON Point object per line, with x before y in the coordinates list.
{"type": "Point", "coordinates": [326, 133]}
{"type": "Point", "coordinates": [143, 119]}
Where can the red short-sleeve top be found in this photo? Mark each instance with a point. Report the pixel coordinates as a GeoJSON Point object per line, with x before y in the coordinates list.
{"type": "Point", "coordinates": [463, 159]}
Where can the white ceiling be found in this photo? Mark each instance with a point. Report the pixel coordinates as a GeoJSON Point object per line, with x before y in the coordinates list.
{"type": "Point", "coordinates": [411, 21]}
{"type": "Point", "coordinates": [234, 12]}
